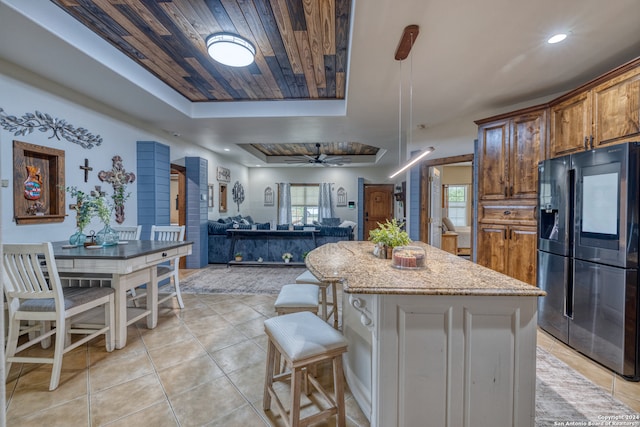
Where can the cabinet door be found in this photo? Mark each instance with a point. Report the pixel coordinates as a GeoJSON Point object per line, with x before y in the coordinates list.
{"type": "Point", "coordinates": [570, 125]}
{"type": "Point", "coordinates": [521, 253]}
{"type": "Point", "coordinates": [492, 152]}
{"type": "Point", "coordinates": [616, 109]}
{"type": "Point", "coordinates": [492, 247]}
{"type": "Point", "coordinates": [527, 144]}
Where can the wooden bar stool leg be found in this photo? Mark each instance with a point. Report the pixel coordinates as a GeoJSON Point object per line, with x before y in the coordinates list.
{"type": "Point", "coordinates": [339, 390]}
{"type": "Point", "coordinates": [296, 380]}
{"type": "Point", "coordinates": [323, 293]}
{"type": "Point", "coordinates": [334, 299]}
{"type": "Point", "coordinates": [268, 378]}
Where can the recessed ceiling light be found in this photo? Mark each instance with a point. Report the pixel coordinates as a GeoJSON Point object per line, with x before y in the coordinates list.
{"type": "Point", "coordinates": [557, 38]}
{"type": "Point", "coordinates": [226, 149]}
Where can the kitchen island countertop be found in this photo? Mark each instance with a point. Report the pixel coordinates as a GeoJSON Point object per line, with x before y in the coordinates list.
{"type": "Point", "coordinates": [361, 272]}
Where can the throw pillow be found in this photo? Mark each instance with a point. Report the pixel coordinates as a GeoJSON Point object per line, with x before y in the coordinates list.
{"type": "Point", "coordinates": [447, 223]}
{"type": "Point", "coordinates": [347, 223]}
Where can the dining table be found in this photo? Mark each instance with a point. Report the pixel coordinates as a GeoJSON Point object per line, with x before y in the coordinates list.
{"type": "Point", "coordinates": [125, 266]}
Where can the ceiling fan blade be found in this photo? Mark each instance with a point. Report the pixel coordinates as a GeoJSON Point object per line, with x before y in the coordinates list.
{"type": "Point", "coordinates": [337, 160]}
{"type": "Point", "coordinates": [322, 157]}
{"type": "Point", "coordinates": [308, 157]}
{"type": "Point", "coordinates": [297, 160]}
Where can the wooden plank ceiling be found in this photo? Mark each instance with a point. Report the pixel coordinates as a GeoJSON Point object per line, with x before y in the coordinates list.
{"type": "Point", "coordinates": [301, 45]}
{"type": "Point", "coordinates": [329, 148]}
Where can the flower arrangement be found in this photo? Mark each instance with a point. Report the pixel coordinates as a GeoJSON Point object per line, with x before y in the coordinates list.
{"type": "Point", "coordinates": [86, 206]}
{"type": "Point", "coordinates": [287, 256]}
{"type": "Point", "coordinates": [388, 236]}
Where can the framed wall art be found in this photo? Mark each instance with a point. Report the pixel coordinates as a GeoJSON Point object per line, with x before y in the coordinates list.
{"type": "Point", "coordinates": [342, 197]}
{"type": "Point", "coordinates": [38, 184]}
{"type": "Point", "coordinates": [223, 198]}
{"type": "Point", "coordinates": [268, 196]}
{"type": "Point", "coordinates": [224, 174]}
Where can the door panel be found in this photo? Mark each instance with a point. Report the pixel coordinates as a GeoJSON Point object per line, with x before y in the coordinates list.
{"type": "Point", "coordinates": [553, 278]}
{"type": "Point", "coordinates": [492, 247]}
{"type": "Point", "coordinates": [526, 145]}
{"type": "Point", "coordinates": [378, 201]}
{"type": "Point", "coordinates": [521, 253]}
{"type": "Point", "coordinates": [435, 208]}
{"type": "Point", "coordinates": [493, 152]}
{"type": "Point", "coordinates": [600, 306]}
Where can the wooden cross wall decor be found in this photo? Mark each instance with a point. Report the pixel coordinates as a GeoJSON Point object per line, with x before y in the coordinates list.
{"type": "Point", "coordinates": [118, 178]}
{"type": "Point", "coordinates": [86, 169]}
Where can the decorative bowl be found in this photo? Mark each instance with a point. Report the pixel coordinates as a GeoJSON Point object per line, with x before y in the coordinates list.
{"type": "Point", "coordinates": [408, 257]}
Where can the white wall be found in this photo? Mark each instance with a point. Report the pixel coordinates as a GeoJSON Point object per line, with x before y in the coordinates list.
{"type": "Point", "coordinates": [119, 138]}
{"type": "Point", "coordinates": [261, 178]}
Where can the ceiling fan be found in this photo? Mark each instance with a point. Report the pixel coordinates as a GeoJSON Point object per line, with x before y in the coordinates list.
{"type": "Point", "coordinates": [319, 159]}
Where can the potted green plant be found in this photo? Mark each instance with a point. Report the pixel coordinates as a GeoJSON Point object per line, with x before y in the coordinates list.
{"type": "Point", "coordinates": [388, 236]}
{"type": "Point", "coordinates": [238, 256]}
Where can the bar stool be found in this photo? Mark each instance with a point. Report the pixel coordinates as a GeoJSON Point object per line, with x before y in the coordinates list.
{"type": "Point", "coordinates": [308, 278]}
{"type": "Point", "coordinates": [296, 298]}
{"type": "Point", "coordinates": [303, 340]}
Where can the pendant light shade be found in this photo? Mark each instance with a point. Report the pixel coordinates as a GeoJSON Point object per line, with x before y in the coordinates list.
{"type": "Point", "coordinates": [230, 49]}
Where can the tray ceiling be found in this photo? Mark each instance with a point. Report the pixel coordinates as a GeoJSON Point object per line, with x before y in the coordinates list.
{"type": "Point", "coordinates": [301, 45]}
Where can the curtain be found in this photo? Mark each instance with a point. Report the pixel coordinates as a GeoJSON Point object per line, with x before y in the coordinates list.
{"type": "Point", "coordinates": [325, 207]}
{"type": "Point", "coordinates": [284, 203]}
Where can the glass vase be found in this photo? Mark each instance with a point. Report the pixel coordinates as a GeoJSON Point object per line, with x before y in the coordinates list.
{"type": "Point", "coordinates": [78, 238]}
{"type": "Point", "coordinates": [107, 236]}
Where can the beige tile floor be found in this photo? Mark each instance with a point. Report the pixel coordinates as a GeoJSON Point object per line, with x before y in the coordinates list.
{"type": "Point", "coordinates": [202, 366]}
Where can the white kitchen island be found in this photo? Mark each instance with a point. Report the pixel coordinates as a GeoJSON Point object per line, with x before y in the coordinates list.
{"type": "Point", "coordinates": [453, 344]}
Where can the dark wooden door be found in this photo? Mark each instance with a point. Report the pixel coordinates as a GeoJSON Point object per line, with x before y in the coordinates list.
{"type": "Point", "coordinates": [378, 206]}
{"type": "Point", "coordinates": [527, 145]}
{"type": "Point", "coordinates": [521, 256]}
{"type": "Point", "coordinates": [570, 124]}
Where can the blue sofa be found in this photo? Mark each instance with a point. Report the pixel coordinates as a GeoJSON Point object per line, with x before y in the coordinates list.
{"type": "Point", "coordinates": [219, 240]}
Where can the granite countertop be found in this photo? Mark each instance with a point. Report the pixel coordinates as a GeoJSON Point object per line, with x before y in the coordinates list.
{"type": "Point", "coordinates": [354, 264]}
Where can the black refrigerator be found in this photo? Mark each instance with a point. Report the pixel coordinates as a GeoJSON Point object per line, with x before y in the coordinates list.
{"type": "Point", "coordinates": [588, 254]}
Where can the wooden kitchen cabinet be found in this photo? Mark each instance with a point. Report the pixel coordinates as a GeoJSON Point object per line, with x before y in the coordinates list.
{"type": "Point", "coordinates": [509, 149]}
{"type": "Point", "coordinates": [509, 249]}
{"type": "Point", "coordinates": [606, 112]}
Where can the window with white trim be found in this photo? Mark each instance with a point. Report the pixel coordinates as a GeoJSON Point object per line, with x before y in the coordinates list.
{"type": "Point", "coordinates": [304, 203]}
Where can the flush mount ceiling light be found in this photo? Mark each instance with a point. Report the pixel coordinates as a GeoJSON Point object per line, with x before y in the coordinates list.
{"type": "Point", "coordinates": [230, 49]}
{"type": "Point", "coordinates": [556, 38]}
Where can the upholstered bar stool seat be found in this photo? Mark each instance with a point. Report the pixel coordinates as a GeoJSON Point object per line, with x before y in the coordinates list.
{"type": "Point", "coordinates": [328, 308]}
{"type": "Point", "coordinates": [303, 340]}
{"type": "Point", "coordinates": [295, 298]}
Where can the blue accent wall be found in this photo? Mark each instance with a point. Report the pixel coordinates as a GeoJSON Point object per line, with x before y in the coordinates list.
{"type": "Point", "coordinates": [153, 178]}
{"type": "Point", "coordinates": [414, 203]}
{"type": "Point", "coordinates": [196, 204]}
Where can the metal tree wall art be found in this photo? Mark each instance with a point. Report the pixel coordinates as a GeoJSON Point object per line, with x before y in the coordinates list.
{"type": "Point", "coordinates": [238, 194]}
{"type": "Point", "coordinates": [44, 122]}
{"type": "Point", "coordinates": [118, 178]}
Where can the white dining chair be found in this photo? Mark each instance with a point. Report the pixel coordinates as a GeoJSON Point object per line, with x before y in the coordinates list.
{"type": "Point", "coordinates": [128, 232]}
{"type": "Point", "coordinates": [164, 271]}
{"type": "Point", "coordinates": [34, 293]}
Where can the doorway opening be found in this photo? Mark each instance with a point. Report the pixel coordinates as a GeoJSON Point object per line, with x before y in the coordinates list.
{"type": "Point", "coordinates": [178, 200]}
{"type": "Point", "coordinates": [447, 204]}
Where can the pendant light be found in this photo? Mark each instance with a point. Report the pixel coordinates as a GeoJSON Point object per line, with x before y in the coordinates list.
{"type": "Point", "coordinates": [407, 40]}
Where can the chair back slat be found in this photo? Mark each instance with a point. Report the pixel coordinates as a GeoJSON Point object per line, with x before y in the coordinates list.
{"type": "Point", "coordinates": [168, 232]}
{"type": "Point", "coordinates": [24, 271]}
{"type": "Point", "coordinates": [128, 232]}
